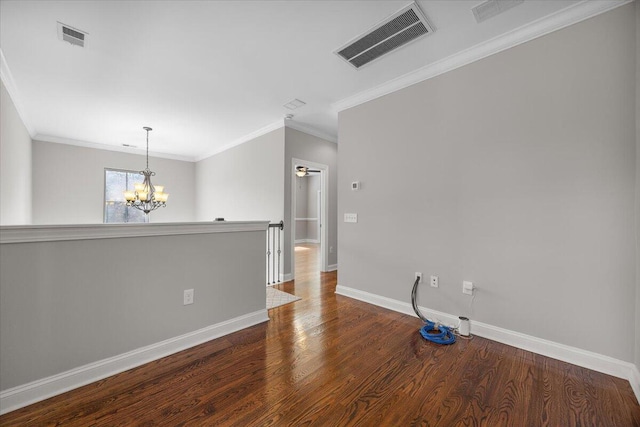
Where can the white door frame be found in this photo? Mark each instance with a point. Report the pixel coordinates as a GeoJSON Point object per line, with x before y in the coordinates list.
{"type": "Point", "coordinates": [324, 186]}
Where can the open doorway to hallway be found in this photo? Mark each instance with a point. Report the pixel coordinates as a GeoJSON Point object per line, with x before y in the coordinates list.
{"type": "Point", "coordinates": [308, 214]}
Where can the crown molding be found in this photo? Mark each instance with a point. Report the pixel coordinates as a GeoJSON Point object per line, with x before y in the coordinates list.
{"type": "Point", "coordinates": [12, 89]}
{"type": "Point", "coordinates": [571, 15]}
{"type": "Point", "coordinates": [248, 137]}
{"type": "Point", "coordinates": [97, 146]}
{"type": "Point", "coordinates": [311, 131]}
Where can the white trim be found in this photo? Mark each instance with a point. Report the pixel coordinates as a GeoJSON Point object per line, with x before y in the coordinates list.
{"type": "Point", "coordinates": [109, 147]}
{"type": "Point", "coordinates": [23, 395]}
{"type": "Point", "coordinates": [565, 353]}
{"type": "Point", "coordinates": [52, 233]}
{"type": "Point", "coordinates": [286, 277]}
{"type": "Point", "coordinates": [332, 267]}
{"type": "Point", "coordinates": [12, 89]}
{"type": "Point", "coordinates": [311, 131]}
{"type": "Point", "coordinates": [570, 15]}
{"type": "Point", "coordinates": [635, 382]}
{"type": "Point", "coordinates": [307, 241]}
{"type": "Point", "coordinates": [246, 138]}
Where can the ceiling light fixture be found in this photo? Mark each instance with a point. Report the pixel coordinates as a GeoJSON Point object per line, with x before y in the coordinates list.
{"type": "Point", "coordinates": [303, 171]}
{"type": "Point", "coordinates": [146, 196]}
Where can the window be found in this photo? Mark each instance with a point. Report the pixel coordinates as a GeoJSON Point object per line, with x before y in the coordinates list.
{"type": "Point", "coordinates": [115, 207]}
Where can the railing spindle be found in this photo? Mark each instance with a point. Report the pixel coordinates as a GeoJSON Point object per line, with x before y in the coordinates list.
{"type": "Point", "coordinates": [273, 236]}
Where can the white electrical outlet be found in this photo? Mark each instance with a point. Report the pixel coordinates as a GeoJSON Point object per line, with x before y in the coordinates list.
{"type": "Point", "coordinates": [188, 297]}
{"type": "Point", "coordinates": [467, 288]}
{"type": "Point", "coordinates": [418, 275]}
{"type": "Point", "coordinates": [434, 281]}
{"type": "Point", "coordinates": [350, 217]}
{"type": "Point", "coordinates": [330, 249]}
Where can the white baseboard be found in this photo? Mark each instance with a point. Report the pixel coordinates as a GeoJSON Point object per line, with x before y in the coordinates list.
{"type": "Point", "coordinates": [635, 382]}
{"type": "Point", "coordinates": [332, 267]}
{"type": "Point", "coordinates": [307, 241]}
{"type": "Point", "coordinates": [587, 359]}
{"type": "Point", "coordinates": [23, 395]}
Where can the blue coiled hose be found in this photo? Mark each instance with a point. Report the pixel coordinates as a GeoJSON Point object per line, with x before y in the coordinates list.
{"type": "Point", "coordinates": [438, 334]}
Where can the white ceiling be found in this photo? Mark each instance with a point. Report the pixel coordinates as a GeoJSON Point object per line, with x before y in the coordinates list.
{"type": "Point", "coordinates": [208, 74]}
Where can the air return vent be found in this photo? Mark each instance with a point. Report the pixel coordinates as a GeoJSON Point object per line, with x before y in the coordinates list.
{"type": "Point", "coordinates": [72, 35]}
{"type": "Point", "coordinates": [491, 8]}
{"type": "Point", "coordinates": [400, 29]}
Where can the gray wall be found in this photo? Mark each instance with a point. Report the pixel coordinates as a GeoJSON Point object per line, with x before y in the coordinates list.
{"type": "Point", "coordinates": [15, 165]}
{"type": "Point", "coordinates": [68, 184]}
{"type": "Point", "coordinates": [66, 304]}
{"type": "Point", "coordinates": [244, 182]}
{"type": "Point", "coordinates": [307, 188]}
{"type": "Point", "coordinates": [302, 195]}
{"type": "Point", "coordinates": [303, 146]}
{"type": "Point", "coordinates": [637, 185]}
{"type": "Point", "coordinates": [516, 172]}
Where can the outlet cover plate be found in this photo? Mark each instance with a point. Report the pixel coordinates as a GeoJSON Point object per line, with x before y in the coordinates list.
{"type": "Point", "coordinates": [434, 281]}
{"type": "Point", "coordinates": [188, 297]}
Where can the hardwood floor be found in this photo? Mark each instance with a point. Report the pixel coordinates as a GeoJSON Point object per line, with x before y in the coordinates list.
{"type": "Point", "coordinates": [329, 360]}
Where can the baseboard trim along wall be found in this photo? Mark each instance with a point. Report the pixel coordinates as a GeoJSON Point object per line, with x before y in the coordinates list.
{"type": "Point", "coordinates": [38, 390]}
{"type": "Point", "coordinates": [332, 267]}
{"type": "Point", "coordinates": [307, 241]}
{"type": "Point", "coordinates": [587, 359]}
{"type": "Point", "coordinates": [635, 381]}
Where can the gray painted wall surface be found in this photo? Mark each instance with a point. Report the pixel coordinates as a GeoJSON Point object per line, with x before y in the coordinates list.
{"type": "Point", "coordinates": [66, 304]}
{"type": "Point", "coordinates": [516, 172]}
{"type": "Point", "coordinates": [243, 183]}
{"type": "Point", "coordinates": [68, 184]}
{"type": "Point", "coordinates": [303, 146]}
{"type": "Point", "coordinates": [307, 207]}
{"type": "Point", "coordinates": [637, 360]}
{"type": "Point", "coordinates": [302, 195]}
{"type": "Point", "coordinates": [15, 165]}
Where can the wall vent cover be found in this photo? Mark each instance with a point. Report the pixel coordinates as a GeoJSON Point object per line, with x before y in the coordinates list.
{"type": "Point", "coordinates": [72, 35]}
{"type": "Point", "coordinates": [491, 8]}
{"type": "Point", "coordinates": [403, 27]}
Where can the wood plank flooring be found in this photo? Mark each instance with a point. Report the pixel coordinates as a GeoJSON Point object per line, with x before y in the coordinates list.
{"type": "Point", "coordinates": [328, 360]}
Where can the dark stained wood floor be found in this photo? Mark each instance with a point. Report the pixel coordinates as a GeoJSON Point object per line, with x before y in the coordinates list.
{"type": "Point", "coordinates": [328, 360]}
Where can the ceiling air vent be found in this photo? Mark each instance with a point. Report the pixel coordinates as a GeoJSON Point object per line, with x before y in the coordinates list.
{"type": "Point", "coordinates": [296, 103]}
{"type": "Point", "coordinates": [491, 8]}
{"type": "Point", "coordinates": [71, 35]}
{"type": "Point", "coordinates": [401, 28]}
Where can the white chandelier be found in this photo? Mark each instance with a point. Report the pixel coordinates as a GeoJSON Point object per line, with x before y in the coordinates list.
{"type": "Point", "coordinates": [146, 196]}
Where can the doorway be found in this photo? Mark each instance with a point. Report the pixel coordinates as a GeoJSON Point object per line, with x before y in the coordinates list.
{"type": "Point", "coordinates": [308, 214]}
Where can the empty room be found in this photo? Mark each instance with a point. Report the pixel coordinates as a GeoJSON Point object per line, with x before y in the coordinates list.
{"type": "Point", "coordinates": [328, 213]}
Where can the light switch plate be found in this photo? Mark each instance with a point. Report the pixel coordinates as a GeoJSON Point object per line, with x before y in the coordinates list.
{"type": "Point", "coordinates": [467, 288]}
{"type": "Point", "coordinates": [350, 217]}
